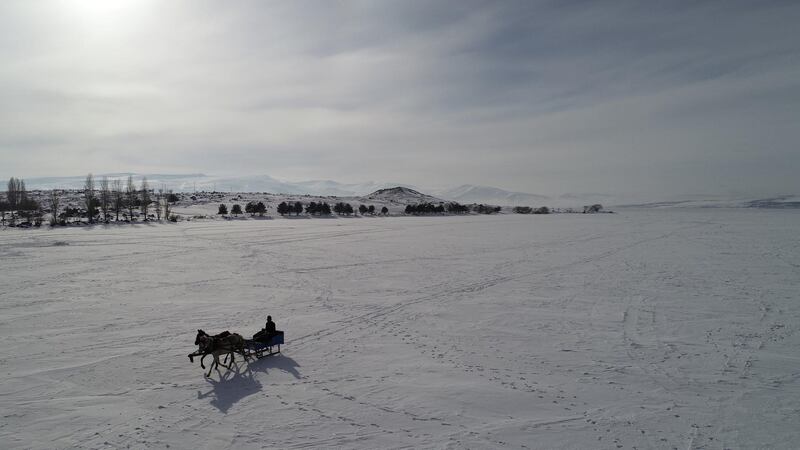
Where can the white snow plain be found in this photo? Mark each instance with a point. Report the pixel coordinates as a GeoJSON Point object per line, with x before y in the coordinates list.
{"type": "Point", "coordinates": [643, 329]}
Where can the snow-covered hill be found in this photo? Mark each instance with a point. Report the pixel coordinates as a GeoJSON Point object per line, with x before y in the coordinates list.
{"type": "Point", "coordinates": [330, 187]}
{"type": "Point", "coordinates": [400, 196]}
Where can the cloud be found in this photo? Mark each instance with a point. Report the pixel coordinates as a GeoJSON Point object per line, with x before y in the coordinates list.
{"type": "Point", "coordinates": [543, 97]}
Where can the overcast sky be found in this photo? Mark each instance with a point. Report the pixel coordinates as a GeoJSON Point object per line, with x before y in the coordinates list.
{"type": "Point", "coordinates": [663, 98]}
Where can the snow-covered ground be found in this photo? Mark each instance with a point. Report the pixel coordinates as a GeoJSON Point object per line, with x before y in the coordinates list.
{"type": "Point", "coordinates": [643, 329]}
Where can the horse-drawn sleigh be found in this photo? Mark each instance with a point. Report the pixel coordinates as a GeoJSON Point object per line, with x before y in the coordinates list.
{"type": "Point", "coordinates": [228, 344]}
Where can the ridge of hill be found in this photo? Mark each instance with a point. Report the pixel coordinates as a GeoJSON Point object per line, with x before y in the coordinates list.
{"type": "Point", "coordinates": [400, 195]}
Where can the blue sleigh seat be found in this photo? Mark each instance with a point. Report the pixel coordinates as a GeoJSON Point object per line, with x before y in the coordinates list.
{"type": "Point", "coordinates": [275, 339]}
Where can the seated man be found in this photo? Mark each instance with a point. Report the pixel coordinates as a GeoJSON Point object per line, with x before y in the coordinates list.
{"type": "Point", "coordinates": [265, 334]}
{"type": "Point", "coordinates": [270, 327]}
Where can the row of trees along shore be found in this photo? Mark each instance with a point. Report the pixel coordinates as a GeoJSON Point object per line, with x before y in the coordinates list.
{"type": "Point", "coordinates": [112, 198]}
{"type": "Point", "coordinates": [456, 208]}
{"type": "Point", "coordinates": [297, 208]}
{"type": "Point", "coordinates": [422, 209]}
{"type": "Point", "coordinates": [529, 210]}
{"type": "Point", "coordinates": [101, 202]}
{"type": "Point", "coordinates": [251, 208]}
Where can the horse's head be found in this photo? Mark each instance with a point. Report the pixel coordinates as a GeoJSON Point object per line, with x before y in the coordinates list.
{"type": "Point", "coordinates": [200, 333]}
{"type": "Point", "coordinates": [204, 342]}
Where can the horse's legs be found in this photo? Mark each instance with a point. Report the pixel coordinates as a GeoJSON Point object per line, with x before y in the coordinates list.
{"type": "Point", "coordinates": [209, 370]}
{"type": "Point", "coordinates": [223, 365]}
{"type": "Point", "coordinates": [215, 363]}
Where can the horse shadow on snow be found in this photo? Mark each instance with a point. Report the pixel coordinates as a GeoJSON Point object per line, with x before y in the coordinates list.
{"type": "Point", "coordinates": [240, 382]}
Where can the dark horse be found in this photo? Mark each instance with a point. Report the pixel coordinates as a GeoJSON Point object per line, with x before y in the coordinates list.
{"type": "Point", "coordinates": [226, 345]}
{"type": "Point", "coordinates": [201, 333]}
{"type": "Point", "coordinates": [206, 347]}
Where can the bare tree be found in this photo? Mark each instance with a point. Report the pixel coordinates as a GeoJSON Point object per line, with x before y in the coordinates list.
{"type": "Point", "coordinates": [13, 194]}
{"type": "Point", "coordinates": [38, 215]}
{"type": "Point", "coordinates": [55, 201]}
{"type": "Point", "coordinates": [119, 201]}
{"type": "Point", "coordinates": [23, 195]}
{"type": "Point", "coordinates": [145, 198]}
{"type": "Point", "coordinates": [88, 197]}
{"type": "Point", "coordinates": [159, 195]}
{"type": "Point", "coordinates": [131, 197]}
{"type": "Point", "coordinates": [105, 198]}
{"type": "Point", "coordinates": [16, 195]}
{"type": "Point", "coordinates": [24, 204]}
{"type": "Point", "coordinates": [167, 205]}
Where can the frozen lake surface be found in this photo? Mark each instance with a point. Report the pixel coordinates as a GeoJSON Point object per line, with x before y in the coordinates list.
{"type": "Point", "coordinates": [644, 329]}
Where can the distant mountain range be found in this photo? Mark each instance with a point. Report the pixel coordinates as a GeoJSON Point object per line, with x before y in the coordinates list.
{"type": "Point", "coordinates": [484, 194]}
{"type": "Point", "coordinates": [266, 183]}
{"type": "Point", "coordinates": [405, 193]}
{"type": "Point", "coordinates": [201, 182]}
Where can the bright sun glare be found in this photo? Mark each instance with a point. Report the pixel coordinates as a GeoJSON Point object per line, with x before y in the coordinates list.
{"type": "Point", "coordinates": [104, 14]}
